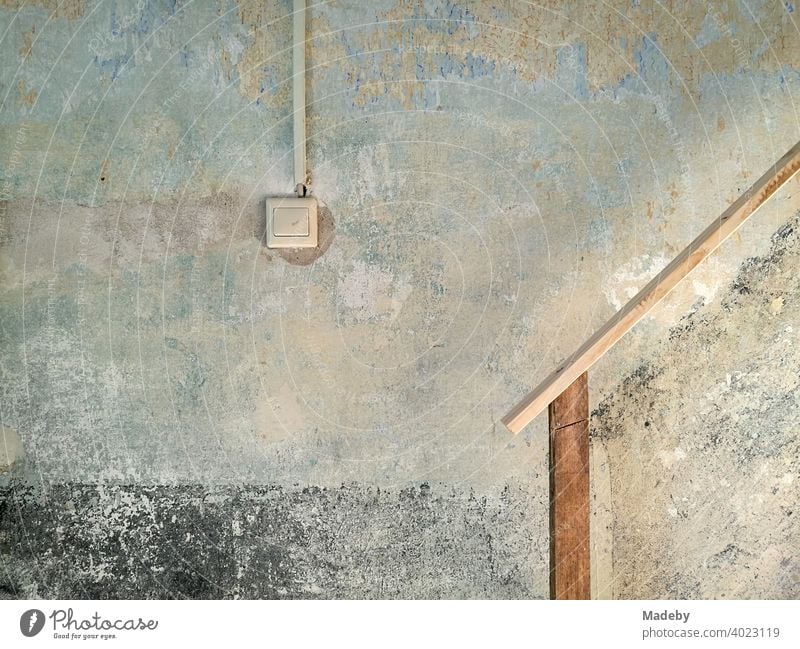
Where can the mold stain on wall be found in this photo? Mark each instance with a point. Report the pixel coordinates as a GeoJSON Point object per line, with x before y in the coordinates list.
{"type": "Point", "coordinates": [702, 447]}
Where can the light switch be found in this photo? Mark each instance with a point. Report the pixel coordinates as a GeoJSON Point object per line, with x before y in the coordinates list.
{"type": "Point", "coordinates": [291, 222]}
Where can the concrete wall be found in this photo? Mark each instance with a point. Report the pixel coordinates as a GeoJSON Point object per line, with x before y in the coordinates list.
{"type": "Point", "coordinates": [500, 177]}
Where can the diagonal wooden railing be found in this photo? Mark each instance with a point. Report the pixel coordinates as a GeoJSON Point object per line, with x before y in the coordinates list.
{"type": "Point", "coordinates": [566, 389]}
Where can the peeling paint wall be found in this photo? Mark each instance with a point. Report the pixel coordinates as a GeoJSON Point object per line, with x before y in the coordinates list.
{"type": "Point", "coordinates": [501, 176]}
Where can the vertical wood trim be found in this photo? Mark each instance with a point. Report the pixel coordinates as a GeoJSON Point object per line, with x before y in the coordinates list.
{"type": "Point", "coordinates": [569, 492]}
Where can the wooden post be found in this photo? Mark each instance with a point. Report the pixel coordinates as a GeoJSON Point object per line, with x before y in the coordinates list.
{"type": "Point", "coordinates": [569, 492]}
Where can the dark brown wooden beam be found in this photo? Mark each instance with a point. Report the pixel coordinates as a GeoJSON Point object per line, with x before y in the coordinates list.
{"type": "Point", "coordinates": [569, 492]}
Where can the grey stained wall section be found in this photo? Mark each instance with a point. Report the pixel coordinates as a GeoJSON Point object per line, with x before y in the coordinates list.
{"type": "Point", "coordinates": [98, 542]}
{"type": "Point", "coordinates": [702, 446]}
{"type": "Point", "coordinates": [498, 178]}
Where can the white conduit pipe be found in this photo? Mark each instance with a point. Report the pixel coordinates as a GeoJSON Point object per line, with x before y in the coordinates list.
{"type": "Point", "coordinates": [299, 95]}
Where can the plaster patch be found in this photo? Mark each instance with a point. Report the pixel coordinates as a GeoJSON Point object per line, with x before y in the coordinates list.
{"type": "Point", "coordinates": [669, 458]}
{"type": "Point", "coordinates": [704, 291]}
{"type": "Point", "coordinates": [371, 291]}
{"type": "Point", "coordinates": [776, 306]}
{"type": "Point", "coordinates": [629, 278]}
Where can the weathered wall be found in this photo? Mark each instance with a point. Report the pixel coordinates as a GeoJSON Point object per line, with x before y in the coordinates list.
{"type": "Point", "coordinates": [198, 541]}
{"type": "Point", "coordinates": [702, 446]}
{"type": "Point", "coordinates": [501, 177]}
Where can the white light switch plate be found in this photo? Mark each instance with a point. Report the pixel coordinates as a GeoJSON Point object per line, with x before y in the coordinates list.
{"type": "Point", "coordinates": [291, 222]}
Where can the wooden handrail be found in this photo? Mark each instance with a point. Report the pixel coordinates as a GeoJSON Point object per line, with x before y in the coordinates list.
{"type": "Point", "coordinates": [624, 320]}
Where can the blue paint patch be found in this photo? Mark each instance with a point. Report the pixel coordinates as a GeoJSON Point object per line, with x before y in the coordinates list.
{"type": "Point", "coordinates": [184, 262]}
{"type": "Point", "coordinates": [178, 307]}
{"type": "Point", "coordinates": [431, 99]}
{"type": "Point", "coordinates": [572, 70]}
{"type": "Point", "coordinates": [765, 45]}
{"type": "Point", "coordinates": [709, 32]}
{"type": "Point", "coordinates": [457, 17]}
{"type": "Point", "coordinates": [753, 10]}
{"type": "Point", "coordinates": [446, 65]}
{"type": "Point", "coordinates": [608, 195]}
{"type": "Point", "coordinates": [788, 79]}
{"type": "Point", "coordinates": [113, 66]}
{"type": "Point", "coordinates": [130, 277]}
{"type": "Point", "coordinates": [651, 65]}
{"type": "Point", "coordinates": [624, 166]}
{"type": "Point", "coordinates": [76, 269]}
{"type": "Point", "coordinates": [599, 234]}
{"type": "Point", "coordinates": [129, 29]}
{"type": "Point", "coordinates": [479, 66]}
